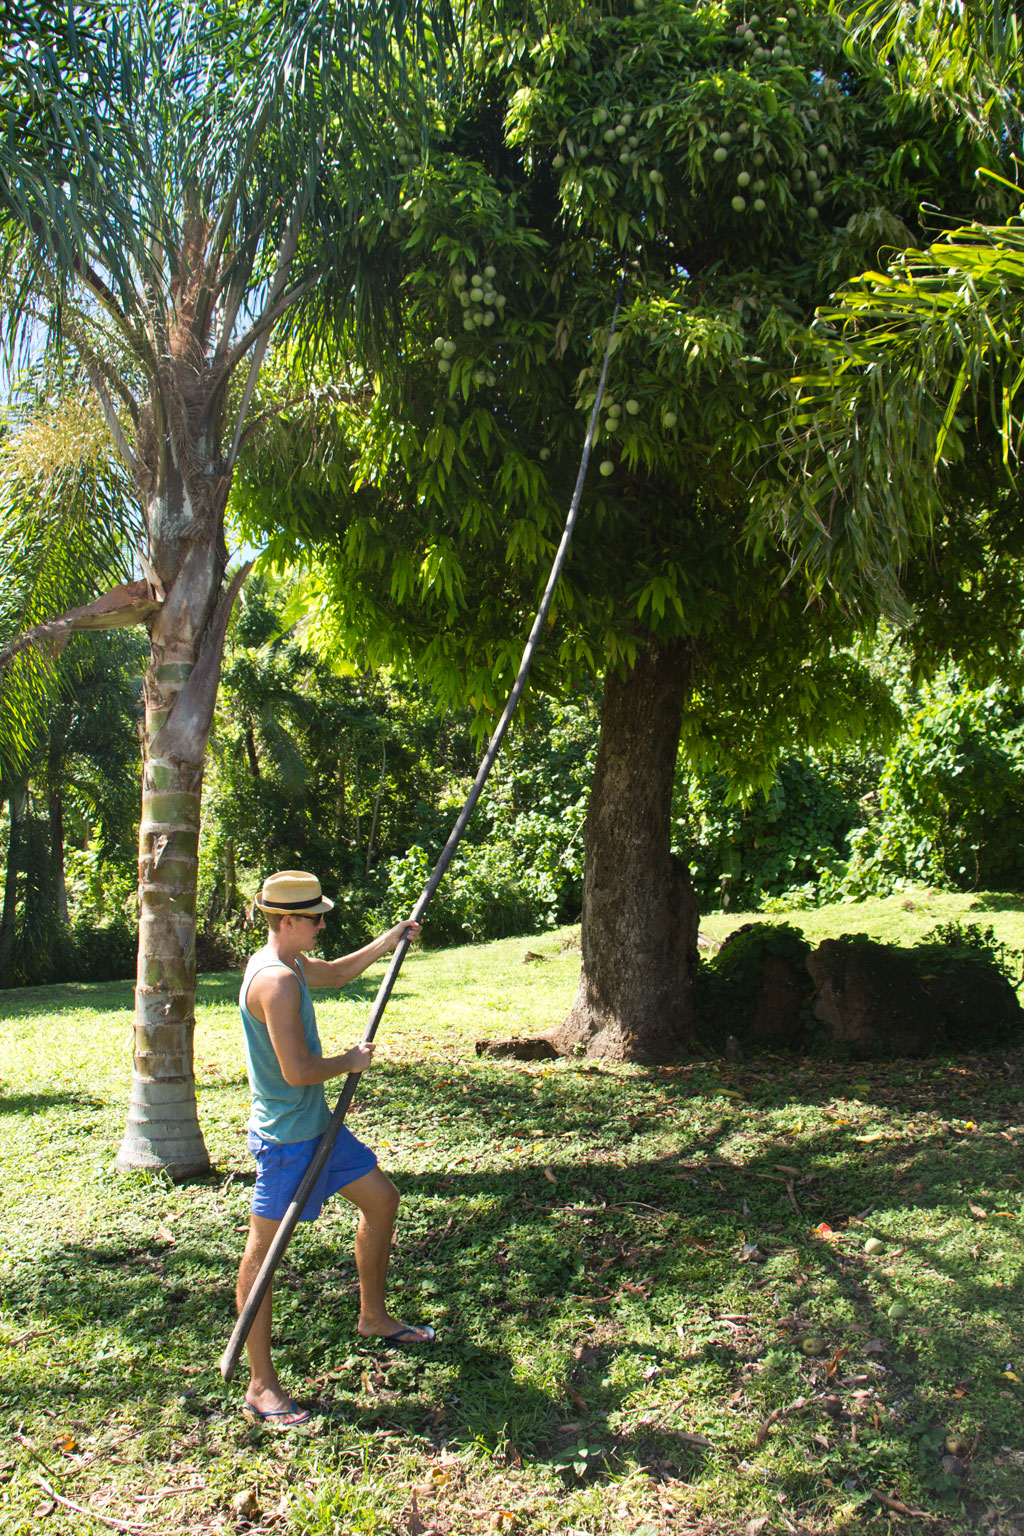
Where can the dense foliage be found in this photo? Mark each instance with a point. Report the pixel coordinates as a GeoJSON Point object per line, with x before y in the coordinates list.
{"type": "Point", "coordinates": [739, 169]}
{"type": "Point", "coordinates": [69, 854]}
{"type": "Point", "coordinates": [360, 777]}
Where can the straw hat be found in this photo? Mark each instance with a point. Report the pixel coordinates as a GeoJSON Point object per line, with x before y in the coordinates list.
{"type": "Point", "coordinates": [293, 891]}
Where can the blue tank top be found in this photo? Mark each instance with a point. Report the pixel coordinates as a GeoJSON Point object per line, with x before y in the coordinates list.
{"type": "Point", "coordinates": [280, 1112]}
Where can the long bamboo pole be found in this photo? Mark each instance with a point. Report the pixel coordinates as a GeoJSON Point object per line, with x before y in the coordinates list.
{"type": "Point", "coordinates": [229, 1359]}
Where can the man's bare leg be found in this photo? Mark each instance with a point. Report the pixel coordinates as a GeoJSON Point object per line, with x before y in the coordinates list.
{"type": "Point", "coordinates": [376, 1199]}
{"type": "Point", "coordinates": [264, 1392]}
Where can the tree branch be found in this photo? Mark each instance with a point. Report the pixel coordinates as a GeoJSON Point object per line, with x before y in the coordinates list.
{"type": "Point", "coordinates": [125, 605]}
{"type": "Point", "coordinates": [266, 320]}
{"type": "Point", "coordinates": [98, 383]}
{"type": "Point", "coordinates": [285, 257]}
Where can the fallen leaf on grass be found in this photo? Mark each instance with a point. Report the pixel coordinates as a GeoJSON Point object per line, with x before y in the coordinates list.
{"type": "Point", "coordinates": [833, 1364]}
{"type": "Point", "coordinates": [976, 1210]}
{"type": "Point", "coordinates": [773, 1418]}
{"type": "Point", "coordinates": [550, 1176]}
{"type": "Point", "coordinates": [686, 1437]}
{"type": "Point", "coordinates": [754, 1526]}
{"type": "Point", "coordinates": [823, 1230]}
{"type": "Point", "coordinates": [898, 1507]}
{"type": "Point", "coordinates": [414, 1526]}
{"type": "Point", "coordinates": [874, 1347]}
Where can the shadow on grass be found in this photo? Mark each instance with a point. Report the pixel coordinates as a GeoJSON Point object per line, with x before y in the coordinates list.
{"type": "Point", "coordinates": [998, 901]}
{"type": "Point", "coordinates": [35, 1103]}
{"type": "Point", "coordinates": [557, 1304]}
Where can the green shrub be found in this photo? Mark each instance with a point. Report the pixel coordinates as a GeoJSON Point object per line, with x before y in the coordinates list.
{"type": "Point", "coordinates": [102, 953]}
{"type": "Point", "coordinates": [486, 894]}
{"type": "Point", "coordinates": [728, 982]}
{"type": "Point", "coordinates": [970, 940]}
{"type": "Point", "coordinates": [745, 853]}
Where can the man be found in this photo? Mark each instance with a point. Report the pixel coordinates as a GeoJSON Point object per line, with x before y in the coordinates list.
{"type": "Point", "coordinates": [287, 1071]}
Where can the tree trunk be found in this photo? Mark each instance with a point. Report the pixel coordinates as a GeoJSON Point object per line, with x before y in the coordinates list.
{"type": "Point", "coordinates": [639, 934]}
{"type": "Point", "coordinates": [187, 640]}
{"type": "Point", "coordinates": [17, 803]}
{"type": "Point", "coordinates": [56, 816]}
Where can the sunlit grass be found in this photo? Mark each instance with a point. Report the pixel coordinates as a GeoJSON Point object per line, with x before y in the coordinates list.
{"type": "Point", "coordinates": [622, 1264]}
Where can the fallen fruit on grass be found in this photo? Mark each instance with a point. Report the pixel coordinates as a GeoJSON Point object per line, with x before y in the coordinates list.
{"type": "Point", "coordinates": [956, 1445]}
{"type": "Point", "coordinates": [812, 1345]}
{"type": "Point", "coordinates": [874, 1245]}
{"type": "Point", "coordinates": [898, 1309]}
{"type": "Point", "coordinates": [606, 466]}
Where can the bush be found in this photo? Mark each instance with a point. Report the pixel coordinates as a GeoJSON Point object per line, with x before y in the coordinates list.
{"type": "Point", "coordinates": [729, 983]}
{"type": "Point", "coordinates": [102, 953]}
{"type": "Point", "coordinates": [485, 894]}
{"type": "Point", "coordinates": [742, 853]}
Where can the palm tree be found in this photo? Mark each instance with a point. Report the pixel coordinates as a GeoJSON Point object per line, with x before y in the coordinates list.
{"type": "Point", "coordinates": [178, 183]}
{"type": "Point", "coordinates": [921, 364]}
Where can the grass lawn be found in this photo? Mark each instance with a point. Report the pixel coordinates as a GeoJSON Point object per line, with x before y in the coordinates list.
{"type": "Point", "coordinates": [655, 1307]}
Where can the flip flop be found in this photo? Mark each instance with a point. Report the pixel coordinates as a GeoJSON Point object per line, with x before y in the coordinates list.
{"type": "Point", "coordinates": [402, 1338]}
{"type": "Point", "coordinates": [264, 1415]}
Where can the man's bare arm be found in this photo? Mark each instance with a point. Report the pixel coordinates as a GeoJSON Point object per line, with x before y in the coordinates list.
{"type": "Point", "coordinates": [338, 973]}
{"type": "Point", "coordinates": [274, 995]}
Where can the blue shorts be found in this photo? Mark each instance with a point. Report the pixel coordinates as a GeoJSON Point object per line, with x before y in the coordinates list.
{"type": "Point", "coordinates": [280, 1167]}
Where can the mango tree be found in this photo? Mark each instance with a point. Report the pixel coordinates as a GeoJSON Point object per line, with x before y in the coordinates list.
{"type": "Point", "coordinates": [736, 167]}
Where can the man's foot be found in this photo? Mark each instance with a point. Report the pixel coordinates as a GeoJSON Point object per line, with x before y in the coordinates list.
{"type": "Point", "coordinates": [291, 1416]}
{"type": "Point", "coordinates": [396, 1335]}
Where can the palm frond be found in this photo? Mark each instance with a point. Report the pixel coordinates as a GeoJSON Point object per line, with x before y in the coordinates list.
{"type": "Point", "coordinates": [68, 526]}
{"type": "Point", "coordinates": [916, 363]}
{"type": "Point", "coordinates": [967, 52]}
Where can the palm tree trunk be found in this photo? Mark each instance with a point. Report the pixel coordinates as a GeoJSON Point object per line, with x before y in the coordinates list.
{"type": "Point", "coordinates": [163, 1124]}
{"type": "Point", "coordinates": [56, 818]}
{"type": "Point", "coordinates": [17, 803]}
{"type": "Point", "coordinates": [187, 642]}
